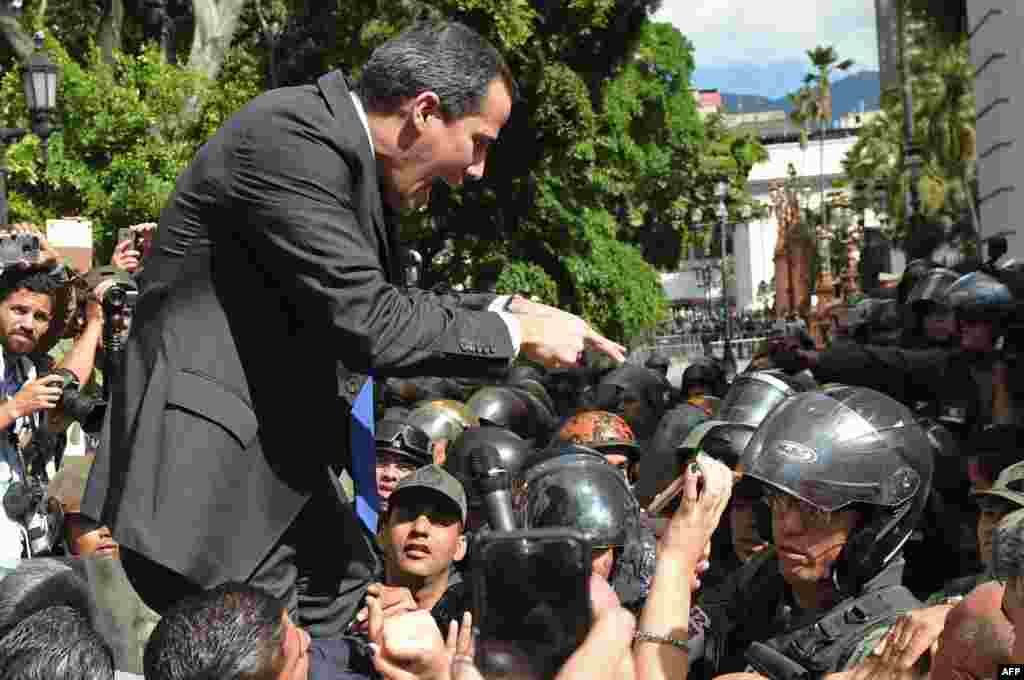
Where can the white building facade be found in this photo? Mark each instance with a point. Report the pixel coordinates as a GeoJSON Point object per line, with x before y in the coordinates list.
{"type": "Point", "coordinates": [754, 243]}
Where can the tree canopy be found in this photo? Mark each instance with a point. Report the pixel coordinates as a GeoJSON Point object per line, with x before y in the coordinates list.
{"type": "Point", "coordinates": [595, 183]}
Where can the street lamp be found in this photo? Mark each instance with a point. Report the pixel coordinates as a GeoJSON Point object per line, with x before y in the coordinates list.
{"type": "Point", "coordinates": [722, 212]}
{"type": "Point", "coordinates": [40, 79]}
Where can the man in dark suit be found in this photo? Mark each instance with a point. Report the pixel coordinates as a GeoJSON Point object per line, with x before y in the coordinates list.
{"type": "Point", "coordinates": [272, 281]}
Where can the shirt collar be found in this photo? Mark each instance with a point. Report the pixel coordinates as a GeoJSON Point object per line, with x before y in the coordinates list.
{"type": "Point", "coordinates": [362, 117]}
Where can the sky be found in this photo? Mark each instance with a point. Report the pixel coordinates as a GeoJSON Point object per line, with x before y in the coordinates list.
{"type": "Point", "coordinates": [759, 46]}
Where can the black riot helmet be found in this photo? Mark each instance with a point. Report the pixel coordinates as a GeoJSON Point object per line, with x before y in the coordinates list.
{"type": "Point", "coordinates": [658, 362]}
{"type": "Point", "coordinates": [634, 392]}
{"type": "Point", "coordinates": [541, 408]}
{"type": "Point", "coordinates": [848, 447]}
{"type": "Point", "coordinates": [706, 371]}
{"type": "Point", "coordinates": [980, 296]}
{"type": "Point", "coordinates": [661, 464]}
{"type": "Point", "coordinates": [914, 272]}
{"type": "Point", "coordinates": [512, 449]}
{"type": "Point", "coordinates": [932, 288]}
{"type": "Point", "coordinates": [557, 448]}
{"type": "Point", "coordinates": [584, 493]}
{"type": "Point", "coordinates": [726, 441]}
{"type": "Point", "coordinates": [752, 396]}
{"type": "Point", "coordinates": [505, 407]}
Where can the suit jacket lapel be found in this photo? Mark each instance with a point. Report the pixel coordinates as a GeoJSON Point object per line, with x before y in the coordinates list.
{"type": "Point", "coordinates": [336, 92]}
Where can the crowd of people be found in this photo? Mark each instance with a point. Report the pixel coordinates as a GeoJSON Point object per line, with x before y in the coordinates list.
{"type": "Point", "coordinates": [278, 491]}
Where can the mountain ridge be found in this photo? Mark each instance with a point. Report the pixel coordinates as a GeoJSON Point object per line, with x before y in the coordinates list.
{"type": "Point", "coordinates": [848, 95]}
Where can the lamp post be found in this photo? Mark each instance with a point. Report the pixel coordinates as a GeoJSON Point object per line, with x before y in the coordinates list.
{"type": "Point", "coordinates": [911, 154]}
{"type": "Point", "coordinates": [722, 212]}
{"type": "Point", "coordinates": [40, 80]}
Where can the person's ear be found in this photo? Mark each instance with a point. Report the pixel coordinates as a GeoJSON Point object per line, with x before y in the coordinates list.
{"type": "Point", "coordinates": [460, 551]}
{"type": "Point", "coordinates": [425, 105]}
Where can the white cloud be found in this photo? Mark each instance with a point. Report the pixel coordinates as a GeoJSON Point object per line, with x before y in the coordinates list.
{"type": "Point", "coordinates": [736, 32]}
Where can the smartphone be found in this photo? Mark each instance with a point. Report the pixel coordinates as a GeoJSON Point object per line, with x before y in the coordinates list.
{"type": "Point", "coordinates": [126, 234]}
{"type": "Point", "coordinates": [531, 600]}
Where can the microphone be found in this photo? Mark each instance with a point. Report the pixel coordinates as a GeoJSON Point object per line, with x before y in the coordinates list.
{"type": "Point", "coordinates": [492, 482]}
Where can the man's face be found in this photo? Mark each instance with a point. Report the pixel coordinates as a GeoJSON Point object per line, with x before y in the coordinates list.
{"type": "Point", "coordinates": [86, 537]}
{"type": "Point", "coordinates": [434, 148]}
{"type": "Point", "coordinates": [423, 534]}
{"type": "Point", "coordinates": [808, 540]}
{"type": "Point", "coordinates": [294, 655]}
{"type": "Point", "coordinates": [24, 318]}
{"type": "Point", "coordinates": [391, 469]}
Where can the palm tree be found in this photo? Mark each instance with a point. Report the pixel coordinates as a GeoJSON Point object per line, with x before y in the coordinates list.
{"type": "Point", "coordinates": [813, 103]}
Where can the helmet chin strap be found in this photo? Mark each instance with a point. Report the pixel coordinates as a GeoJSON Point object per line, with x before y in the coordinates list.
{"type": "Point", "coordinates": [860, 563]}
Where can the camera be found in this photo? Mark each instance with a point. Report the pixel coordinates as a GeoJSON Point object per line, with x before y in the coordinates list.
{"type": "Point", "coordinates": [77, 406]}
{"type": "Point", "coordinates": [25, 502]}
{"type": "Point", "coordinates": [18, 247]}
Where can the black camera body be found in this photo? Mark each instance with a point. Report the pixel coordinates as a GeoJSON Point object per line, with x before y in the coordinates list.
{"type": "Point", "coordinates": [18, 247]}
{"type": "Point", "coordinates": [25, 503]}
{"type": "Point", "coordinates": [75, 405]}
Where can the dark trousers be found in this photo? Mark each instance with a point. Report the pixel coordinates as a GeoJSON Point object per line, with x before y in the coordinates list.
{"type": "Point", "coordinates": [320, 569]}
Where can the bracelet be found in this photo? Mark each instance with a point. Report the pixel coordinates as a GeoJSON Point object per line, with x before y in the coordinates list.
{"type": "Point", "coordinates": [641, 636]}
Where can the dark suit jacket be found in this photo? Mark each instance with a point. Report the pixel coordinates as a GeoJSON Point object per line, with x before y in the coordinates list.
{"type": "Point", "coordinates": [271, 281]}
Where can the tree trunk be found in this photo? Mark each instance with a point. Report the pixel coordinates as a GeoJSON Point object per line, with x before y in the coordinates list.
{"type": "Point", "coordinates": [215, 24]}
{"type": "Point", "coordinates": [111, 24]}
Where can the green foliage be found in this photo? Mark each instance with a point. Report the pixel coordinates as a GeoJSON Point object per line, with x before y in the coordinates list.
{"type": "Point", "coordinates": [124, 137]}
{"type": "Point", "coordinates": [529, 280]}
{"type": "Point", "coordinates": [944, 111]}
{"type": "Point", "coordinates": [619, 311]}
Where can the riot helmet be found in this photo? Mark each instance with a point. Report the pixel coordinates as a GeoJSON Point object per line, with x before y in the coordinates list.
{"type": "Point", "coordinates": [503, 407]}
{"type": "Point", "coordinates": [752, 396]}
{"type": "Point", "coordinates": [658, 362]}
{"type": "Point", "coordinates": [914, 272]}
{"type": "Point", "coordinates": [932, 287]}
{"type": "Point", "coordinates": [583, 493]}
{"type": "Point", "coordinates": [512, 449]}
{"type": "Point", "coordinates": [541, 410]}
{"type": "Point", "coordinates": [661, 462]}
{"type": "Point", "coordinates": [705, 371]}
{"type": "Point", "coordinates": [634, 392]}
{"type": "Point", "coordinates": [404, 440]}
{"type": "Point", "coordinates": [601, 431]}
{"type": "Point", "coordinates": [848, 447]}
{"type": "Point", "coordinates": [980, 296]}
{"type": "Point", "coordinates": [442, 419]}
{"type": "Point", "coordinates": [555, 449]}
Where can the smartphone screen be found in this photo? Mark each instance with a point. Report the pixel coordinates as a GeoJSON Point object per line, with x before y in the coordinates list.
{"type": "Point", "coordinates": [531, 599]}
{"type": "Point", "coordinates": [124, 234]}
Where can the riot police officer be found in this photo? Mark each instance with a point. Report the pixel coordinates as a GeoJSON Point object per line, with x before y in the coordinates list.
{"type": "Point", "coordinates": [846, 472]}
{"type": "Point", "coordinates": [580, 491]}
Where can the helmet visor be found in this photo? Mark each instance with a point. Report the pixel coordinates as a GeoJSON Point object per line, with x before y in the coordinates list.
{"type": "Point", "coordinates": [752, 397]}
{"type": "Point", "coordinates": [838, 448]}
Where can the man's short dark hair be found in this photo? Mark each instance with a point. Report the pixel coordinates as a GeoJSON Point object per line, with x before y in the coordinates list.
{"type": "Point", "coordinates": [38, 584]}
{"type": "Point", "coordinates": [444, 57]}
{"type": "Point", "coordinates": [233, 632]}
{"type": "Point", "coordinates": [56, 643]}
{"type": "Point", "coordinates": [32, 280]}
